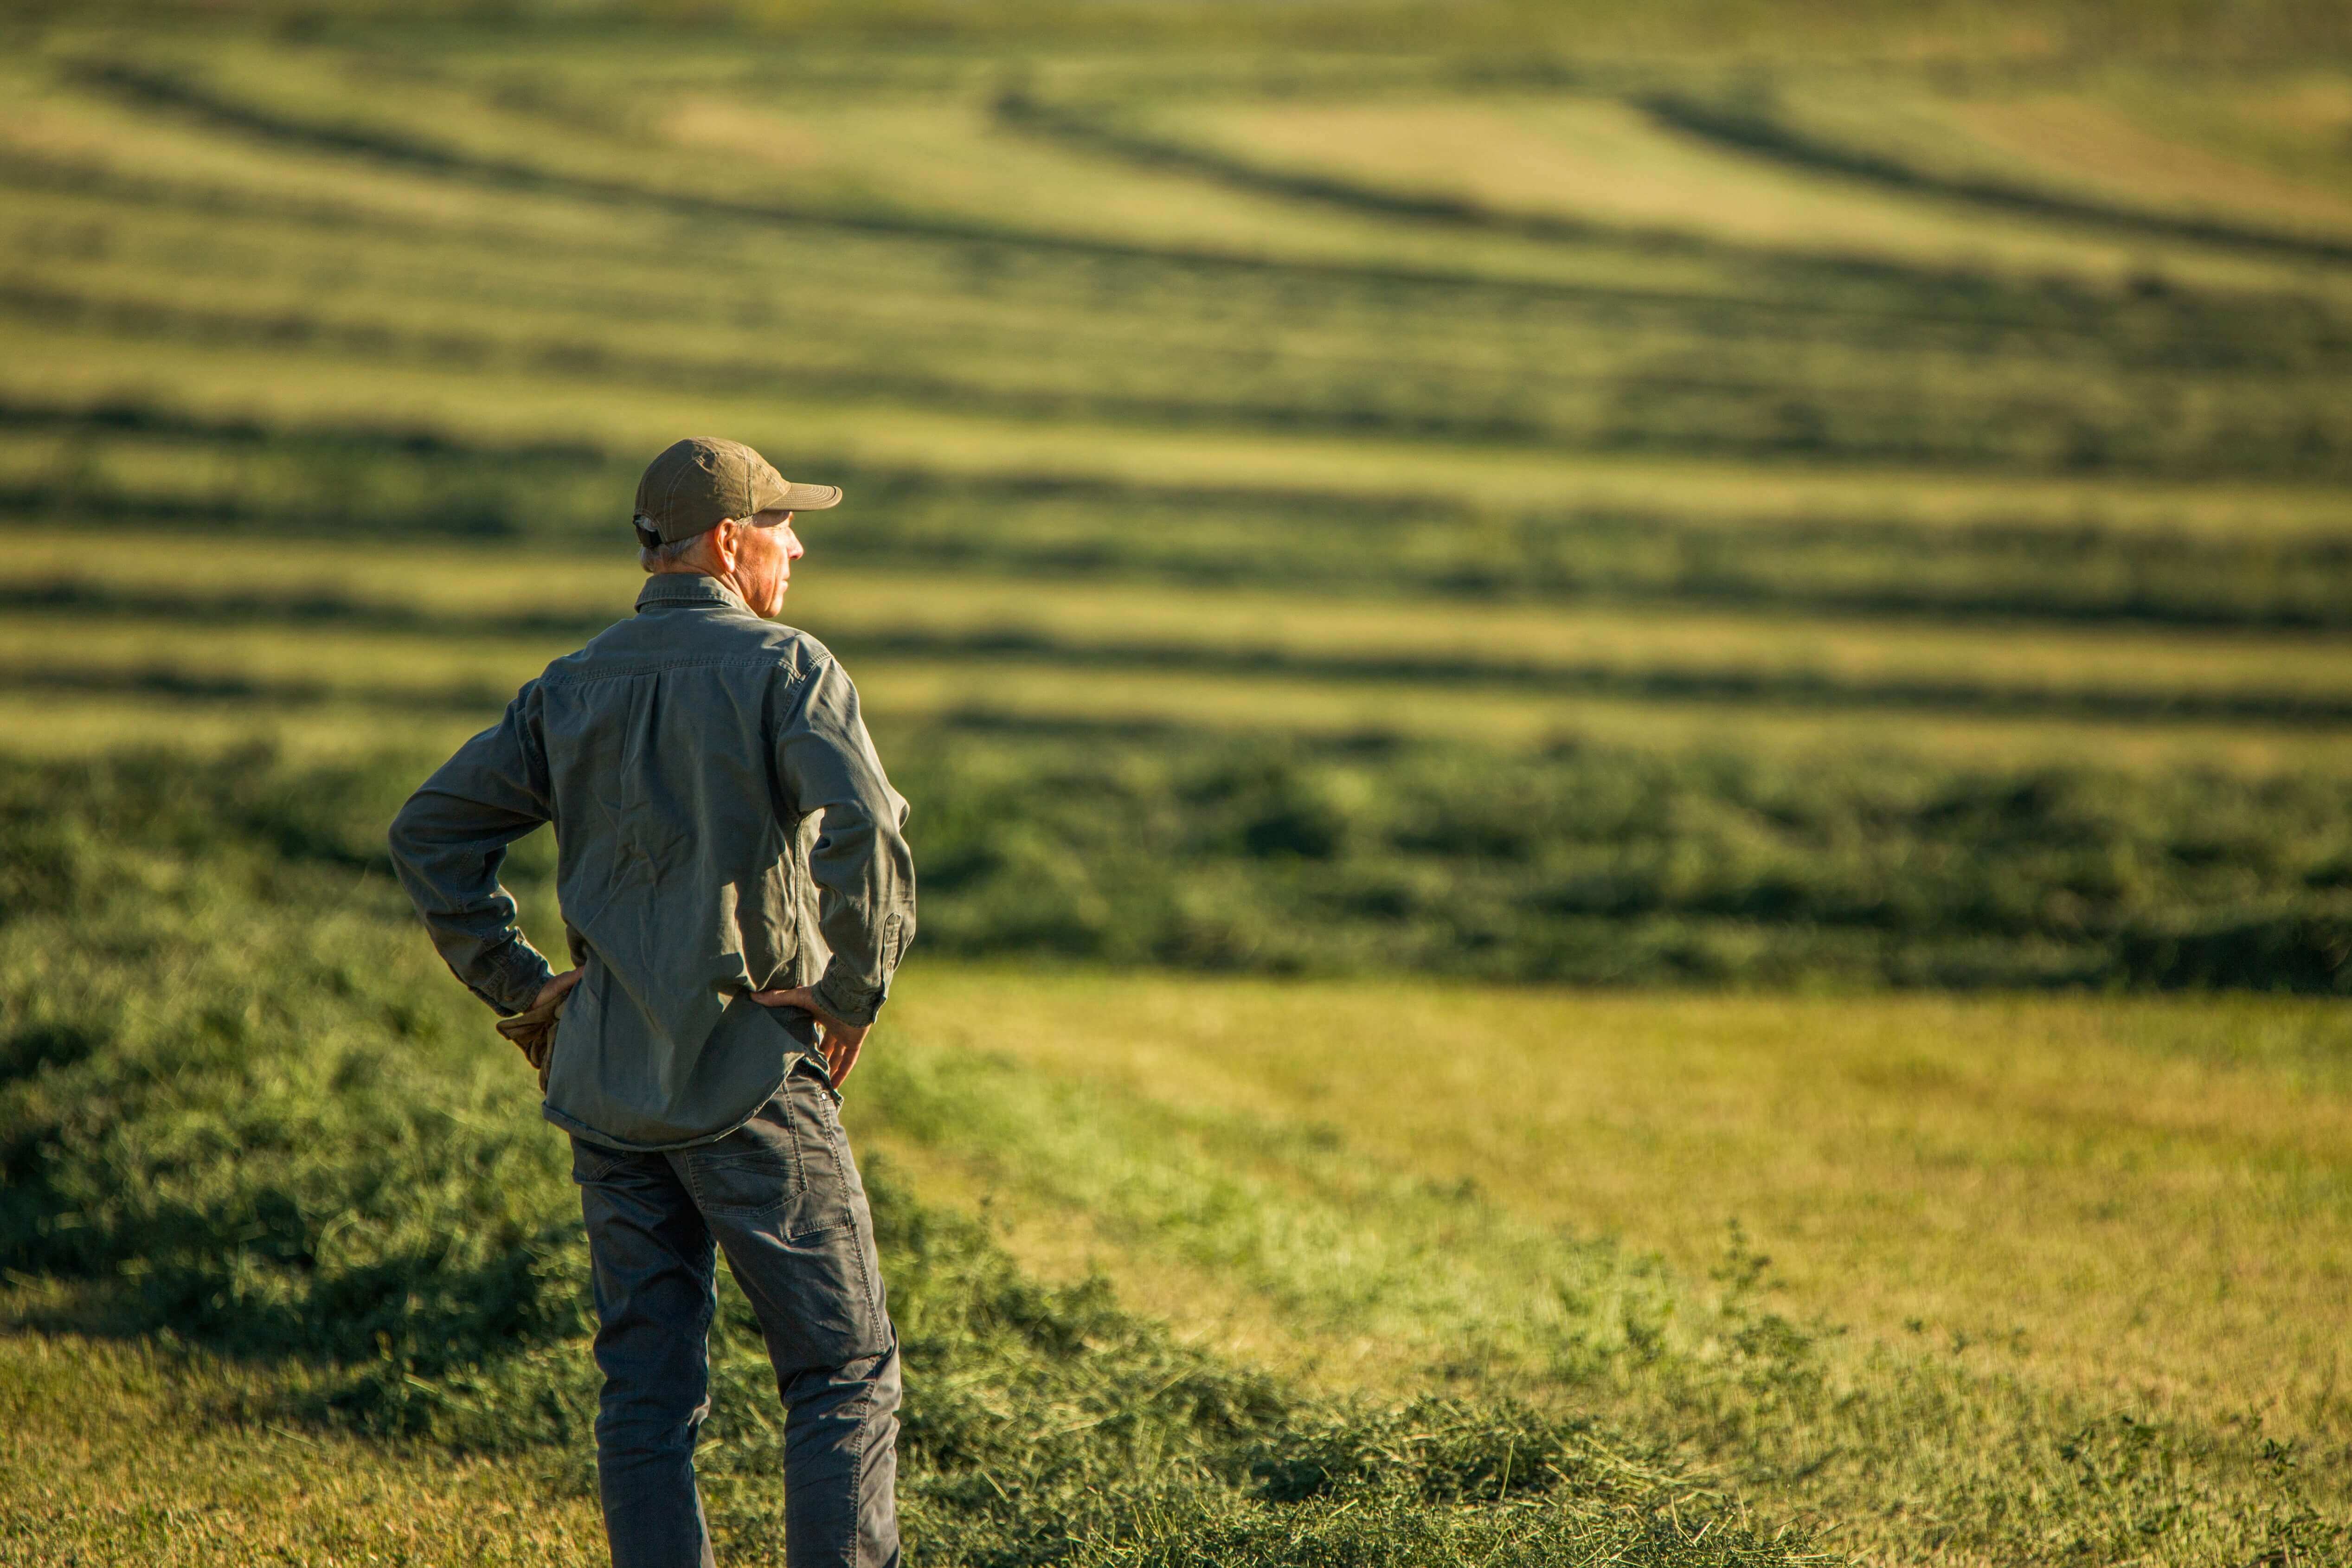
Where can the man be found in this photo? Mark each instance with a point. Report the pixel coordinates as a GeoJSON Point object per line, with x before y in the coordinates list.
{"type": "Point", "coordinates": [736, 892]}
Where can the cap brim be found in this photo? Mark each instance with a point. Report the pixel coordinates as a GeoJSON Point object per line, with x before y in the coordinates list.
{"type": "Point", "coordinates": [810, 498]}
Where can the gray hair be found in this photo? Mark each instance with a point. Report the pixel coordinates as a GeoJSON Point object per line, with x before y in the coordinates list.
{"type": "Point", "coordinates": [654, 552]}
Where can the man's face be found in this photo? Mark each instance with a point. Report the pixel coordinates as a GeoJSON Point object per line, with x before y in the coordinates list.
{"type": "Point", "coordinates": [765, 554]}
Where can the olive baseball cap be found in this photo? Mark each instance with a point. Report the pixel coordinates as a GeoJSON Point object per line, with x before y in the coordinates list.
{"type": "Point", "coordinates": [699, 482]}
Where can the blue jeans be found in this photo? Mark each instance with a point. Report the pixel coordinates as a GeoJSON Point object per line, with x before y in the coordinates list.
{"type": "Point", "coordinates": [780, 1197]}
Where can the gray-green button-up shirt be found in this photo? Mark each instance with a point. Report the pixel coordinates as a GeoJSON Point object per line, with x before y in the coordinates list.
{"type": "Point", "coordinates": [722, 826]}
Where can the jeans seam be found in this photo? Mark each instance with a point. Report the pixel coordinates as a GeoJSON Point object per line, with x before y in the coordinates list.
{"type": "Point", "coordinates": [801, 1180]}
{"type": "Point", "coordinates": [862, 1244]}
{"type": "Point", "coordinates": [827, 1137]}
{"type": "Point", "coordinates": [857, 1475]}
{"type": "Point", "coordinates": [864, 1279]}
{"type": "Point", "coordinates": [837, 1143]}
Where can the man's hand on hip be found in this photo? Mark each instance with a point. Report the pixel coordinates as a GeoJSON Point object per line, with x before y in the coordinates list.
{"type": "Point", "coordinates": [841, 1040]}
{"type": "Point", "coordinates": [559, 986]}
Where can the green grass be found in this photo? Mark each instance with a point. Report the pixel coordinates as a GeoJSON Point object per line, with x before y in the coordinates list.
{"type": "Point", "coordinates": [1925, 1170]}
{"type": "Point", "coordinates": [163, 1471]}
{"type": "Point", "coordinates": [247, 1126]}
{"type": "Point", "coordinates": [1237, 1184]}
{"type": "Point", "coordinates": [287, 1151]}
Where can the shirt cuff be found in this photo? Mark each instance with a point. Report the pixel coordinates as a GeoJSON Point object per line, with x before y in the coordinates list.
{"type": "Point", "coordinates": [845, 997]}
{"type": "Point", "coordinates": [515, 979]}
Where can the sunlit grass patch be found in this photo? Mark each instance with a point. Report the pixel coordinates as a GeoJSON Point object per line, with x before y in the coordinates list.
{"type": "Point", "coordinates": [127, 1453]}
{"type": "Point", "coordinates": [1326, 1176]}
{"type": "Point", "coordinates": [1986, 1173]}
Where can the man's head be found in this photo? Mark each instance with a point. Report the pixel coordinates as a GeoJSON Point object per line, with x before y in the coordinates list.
{"type": "Point", "coordinates": [719, 509]}
{"type": "Point", "coordinates": [752, 555]}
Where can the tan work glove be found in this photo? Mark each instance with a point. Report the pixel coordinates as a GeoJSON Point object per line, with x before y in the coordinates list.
{"type": "Point", "coordinates": [533, 1031]}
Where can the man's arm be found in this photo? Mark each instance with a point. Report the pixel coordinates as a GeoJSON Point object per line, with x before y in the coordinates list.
{"type": "Point", "coordinates": [448, 842]}
{"type": "Point", "coordinates": [863, 871]}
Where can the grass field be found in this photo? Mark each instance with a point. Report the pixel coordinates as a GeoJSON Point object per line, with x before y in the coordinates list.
{"type": "Point", "coordinates": [294, 1190]}
{"type": "Point", "coordinates": [1632, 750]}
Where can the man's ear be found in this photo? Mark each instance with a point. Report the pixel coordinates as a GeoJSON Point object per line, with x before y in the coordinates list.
{"type": "Point", "coordinates": [726, 541]}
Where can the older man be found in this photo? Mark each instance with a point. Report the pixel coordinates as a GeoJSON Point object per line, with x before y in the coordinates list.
{"type": "Point", "coordinates": [736, 893]}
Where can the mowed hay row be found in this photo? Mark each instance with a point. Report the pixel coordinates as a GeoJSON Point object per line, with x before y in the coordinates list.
{"type": "Point", "coordinates": [1662, 685]}
{"type": "Point", "coordinates": [1513, 378]}
{"type": "Point", "coordinates": [343, 398]}
{"type": "Point", "coordinates": [70, 714]}
{"type": "Point", "coordinates": [2190, 556]}
{"type": "Point", "coordinates": [1607, 160]}
{"type": "Point", "coordinates": [1516, 360]}
{"type": "Point", "coordinates": [567, 150]}
{"type": "Point", "coordinates": [1501, 368]}
{"type": "Point", "coordinates": [70, 719]}
{"type": "Point", "coordinates": [208, 428]}
{"type": "Point", "coordinates": [865, 151]}
{"type": "Point", "coordinates": [284, 628]}
{"type": "Point", "coordinates": [487, 594]}
{"type": "Point", "coordinates": [501, 607]}
{"type": "Point", "coordinates": [2249, 154]}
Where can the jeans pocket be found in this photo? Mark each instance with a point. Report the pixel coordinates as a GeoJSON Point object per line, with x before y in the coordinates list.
{"type": "Point", "coordinates": [754, 1170]}
{"type": "Point", "coordinates": [809, 1265]}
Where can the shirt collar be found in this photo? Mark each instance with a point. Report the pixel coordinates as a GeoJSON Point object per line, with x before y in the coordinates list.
{"type": "Point", "coordinates": [690, 588]}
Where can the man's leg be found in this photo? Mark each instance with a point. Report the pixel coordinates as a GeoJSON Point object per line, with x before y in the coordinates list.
{"type": "Point", "coordinates": [653, 1261]}
{"type": "Point", "coordinates": [783, 1197]}
{"type": "Point", "coordinates": [841, 1462]}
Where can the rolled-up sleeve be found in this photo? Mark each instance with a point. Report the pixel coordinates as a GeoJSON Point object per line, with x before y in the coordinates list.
{"type": "Point", "coordinates": [863, 871]}
{"type": "Point", "coordinates": [448, 842]}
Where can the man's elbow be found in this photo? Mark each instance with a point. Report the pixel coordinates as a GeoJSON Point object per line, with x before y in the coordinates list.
{"type": "Point", "coordinates": [400, 838]}
{"type": "Point", "coordinates": [409, 839]}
